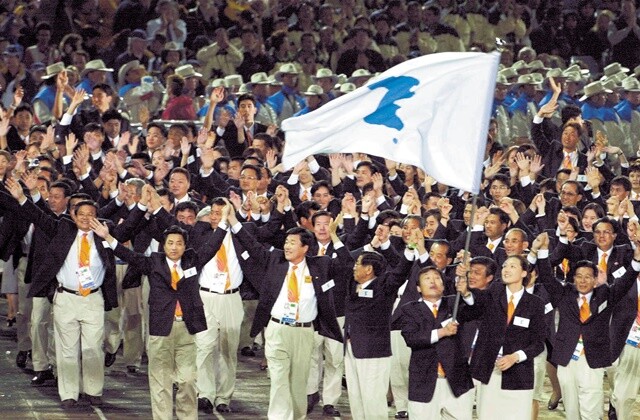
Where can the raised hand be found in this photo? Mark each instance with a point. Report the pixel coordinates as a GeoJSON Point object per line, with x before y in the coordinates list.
{"type": "Point", "coordinates": [15, 189]}
{"type": "Point", "coordinates": [99, 229]}
{"type": "Point", "coordinates": [238, 120]}
{"type": "Point", "coordinates": [216, 96]}
{"type": "Point", "coordinates": [18, 94]}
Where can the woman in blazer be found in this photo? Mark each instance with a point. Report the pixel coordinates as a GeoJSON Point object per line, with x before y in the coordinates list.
{"type": "Point", "coordinates": [511, 334]}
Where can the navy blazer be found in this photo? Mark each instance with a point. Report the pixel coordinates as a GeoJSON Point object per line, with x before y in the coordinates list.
{"type": "Point", "coordinates": [162, 297]}
{"type": "Point", "coordinates": [594, 330]}
{"type": "Point", "coordinates": [273, 268]}
{"type": "Point", "coordinates": [495, 333]}
{"type": "Point", "coordinates": [418, 322]}
{"type": "Point", "coordinates": [624, 314]}
{"type": "Point", "coordinates": [62, 233]}
{"type": "Point", "coordinates": [368, 319]}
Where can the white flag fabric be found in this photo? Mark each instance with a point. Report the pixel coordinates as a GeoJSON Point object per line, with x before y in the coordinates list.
{"type": "Point", "coordinates": [432, 112]}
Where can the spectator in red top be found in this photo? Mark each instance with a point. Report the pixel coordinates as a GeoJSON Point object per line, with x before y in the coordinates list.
{"type": "Point", "coordinates": [179, 106]}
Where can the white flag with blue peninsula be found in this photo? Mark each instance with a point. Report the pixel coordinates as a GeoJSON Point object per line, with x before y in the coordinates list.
{"type": "Point", "coordinates": [432, 112]}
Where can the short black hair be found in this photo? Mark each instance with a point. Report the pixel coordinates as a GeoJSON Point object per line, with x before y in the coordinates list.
{"type": "Point", "coordinates": [187, 205]}
{"type": "Point", "coordinates": [85, 203]}
{"type": "Point", "coordinates": [320, 214]}
{"type": "Point", "coordinates": [580, 264]}
{"type": "Point", "coordinates": [247, 97]}
{"type": "Point", "coordinates": [320, 184]}
{"type": "Point", "coordinates": [174, 230]}
{"type": "Point", "coordinates": [255, 168]}
{"type": "Point", "coordinates": [92, 127]}
{"type": "Point", "coordinates": [490, 265]}
{"type": "Point", "coordinates": [159, 126]}
{"type": "Point", "coordinates": [306, 237]}
{"type": "Point", "coordinates": [375, 260]}
{"type": "Point", "coordinates": [23, 107]}
{"type": "Point", "coordinates": [304, 209]}
{"type": "Point", "coordinates": [111, 114]}
{"type": "Point", "coordinates": [614, 224]}
{"type": "Point", "coordinates": [622, 181]}
{"type": "Point", "coordinates": [426, 270]}
{"type": "Point", "coordinates": [108, 90]}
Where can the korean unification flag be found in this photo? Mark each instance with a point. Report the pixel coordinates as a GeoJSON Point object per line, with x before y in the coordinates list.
{"type": "Point", "coordinates": [432, 112]}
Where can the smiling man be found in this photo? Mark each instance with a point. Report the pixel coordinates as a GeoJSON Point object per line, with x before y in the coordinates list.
{"type": "Point", "coordinates": [582, 350]}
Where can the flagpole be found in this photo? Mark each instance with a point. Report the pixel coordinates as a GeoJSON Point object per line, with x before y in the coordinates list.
{"type": "Point", "coordinates": [467, 242]}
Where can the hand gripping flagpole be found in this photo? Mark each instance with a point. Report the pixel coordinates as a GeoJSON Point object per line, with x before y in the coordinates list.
{"type": "Point", "coordinates": [467, 242]}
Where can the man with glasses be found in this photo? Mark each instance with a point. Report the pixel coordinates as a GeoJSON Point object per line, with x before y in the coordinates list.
{"type": "Point", "coordinates": [582, 343]}
{"type": "Point", "coordinates": [611, 260]}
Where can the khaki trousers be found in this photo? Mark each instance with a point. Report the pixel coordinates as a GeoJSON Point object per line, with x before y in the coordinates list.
{"type": "Point", "coordinates": [23, 317]}
{"type": "Point", "coordinates": [627, 382]}
{"type": "Point", "coordinates": [217, 347]}
{"type": "Point", "coordinates": [173, 358]}
{"type": "Point", "coordinates": [400, 358]}
{"type": "Point", "coordinates": [367, 385]}
{"type": "Point", "coordinates": [132, 327]}
{"type": "Point", "coordinates": [43, 349]}
{"type": "Point", "coordinates": [78, 325]}
{"type": "Point", "coordinates": [288, 351]}
{"type": "Point", "coordinates": [112, 318]}
{"type": "Point", "coordinates": [249, 307]}
{"type": "Point", "coordinates": [582, 390]}
{"type": "Point", "coordinates": [443, 405]}
{"type": "Point", "coordinates": [330, 372]}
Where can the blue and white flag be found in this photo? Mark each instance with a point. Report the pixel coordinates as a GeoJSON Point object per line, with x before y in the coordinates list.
{"type": "Point", "coordinates": [432, 112]}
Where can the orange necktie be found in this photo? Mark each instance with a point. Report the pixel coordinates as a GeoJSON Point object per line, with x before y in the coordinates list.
{"type": "Point", "coordinates": [305, 196]}
{"type": "Point", "coordinates": [322, 251]}
{"type": "Point", "coordinates": [175, 278]}
{"type": "Point", "coordinates": [434, 309]}
{"type": "Point", "coordinates": [602, 265]}
{"type": "Point", "coordinates": [221, 263]}
{"type": "Point", "coordinates": [83, 260]}
{"type": "Point", "coordinates": [585, 312]}
{"type": "Point", "coordinates": [511, 308]}
{"type": "Point", "coordinates": [293, 294]}
{"type": "Point", "coordinates": [491, 246]}
{"type": "Point", "coordinates": [566, 163]}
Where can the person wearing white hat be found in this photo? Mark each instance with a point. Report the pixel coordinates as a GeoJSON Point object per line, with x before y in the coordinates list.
{"type": "Point", "coordinates": [259, 88]}
{"type": "Point", "coordinates": [629, 109]}
{"type": "Point", "coordinates": [129, 76]}
{"type": "Point", "coordinates": [500, 111]}
{"type": "Point", "coordinates": [326, 79]}
{"type": "Point", "coordinates": [287, 101]}
{"type": "Point", "coordinates": [524, 108]}
{"type": "Point", "coordinates": [94, 72]}
{"type": "Point", "coordinates": [315, 98]}
{"type": "Point", "coordinates": [601, 117]}
{"type": "Point", "coordinates": [43, 103]}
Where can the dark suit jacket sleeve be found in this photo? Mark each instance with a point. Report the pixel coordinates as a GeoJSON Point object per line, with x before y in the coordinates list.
{"type": "Point", "coordinates": [416, 332]}
{"type": "Point", "coordinates": [47, 223]}
{"type": "Point", "coordinates": [125, 230]}
{"type": "Point", "coordinates": [619, 287]}
{"type": "Point", "coordinates": [141, 262]}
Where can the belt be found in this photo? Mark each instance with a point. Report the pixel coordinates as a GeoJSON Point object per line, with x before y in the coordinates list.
{"type": "Point", "coordinates": [294, 324]}
{"type": "Point", "coordinates": [75, 292]}
{"type": "Point", "coordinates": [177, 318]}
{"type": "Point", "coordinates": [226, 292]}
